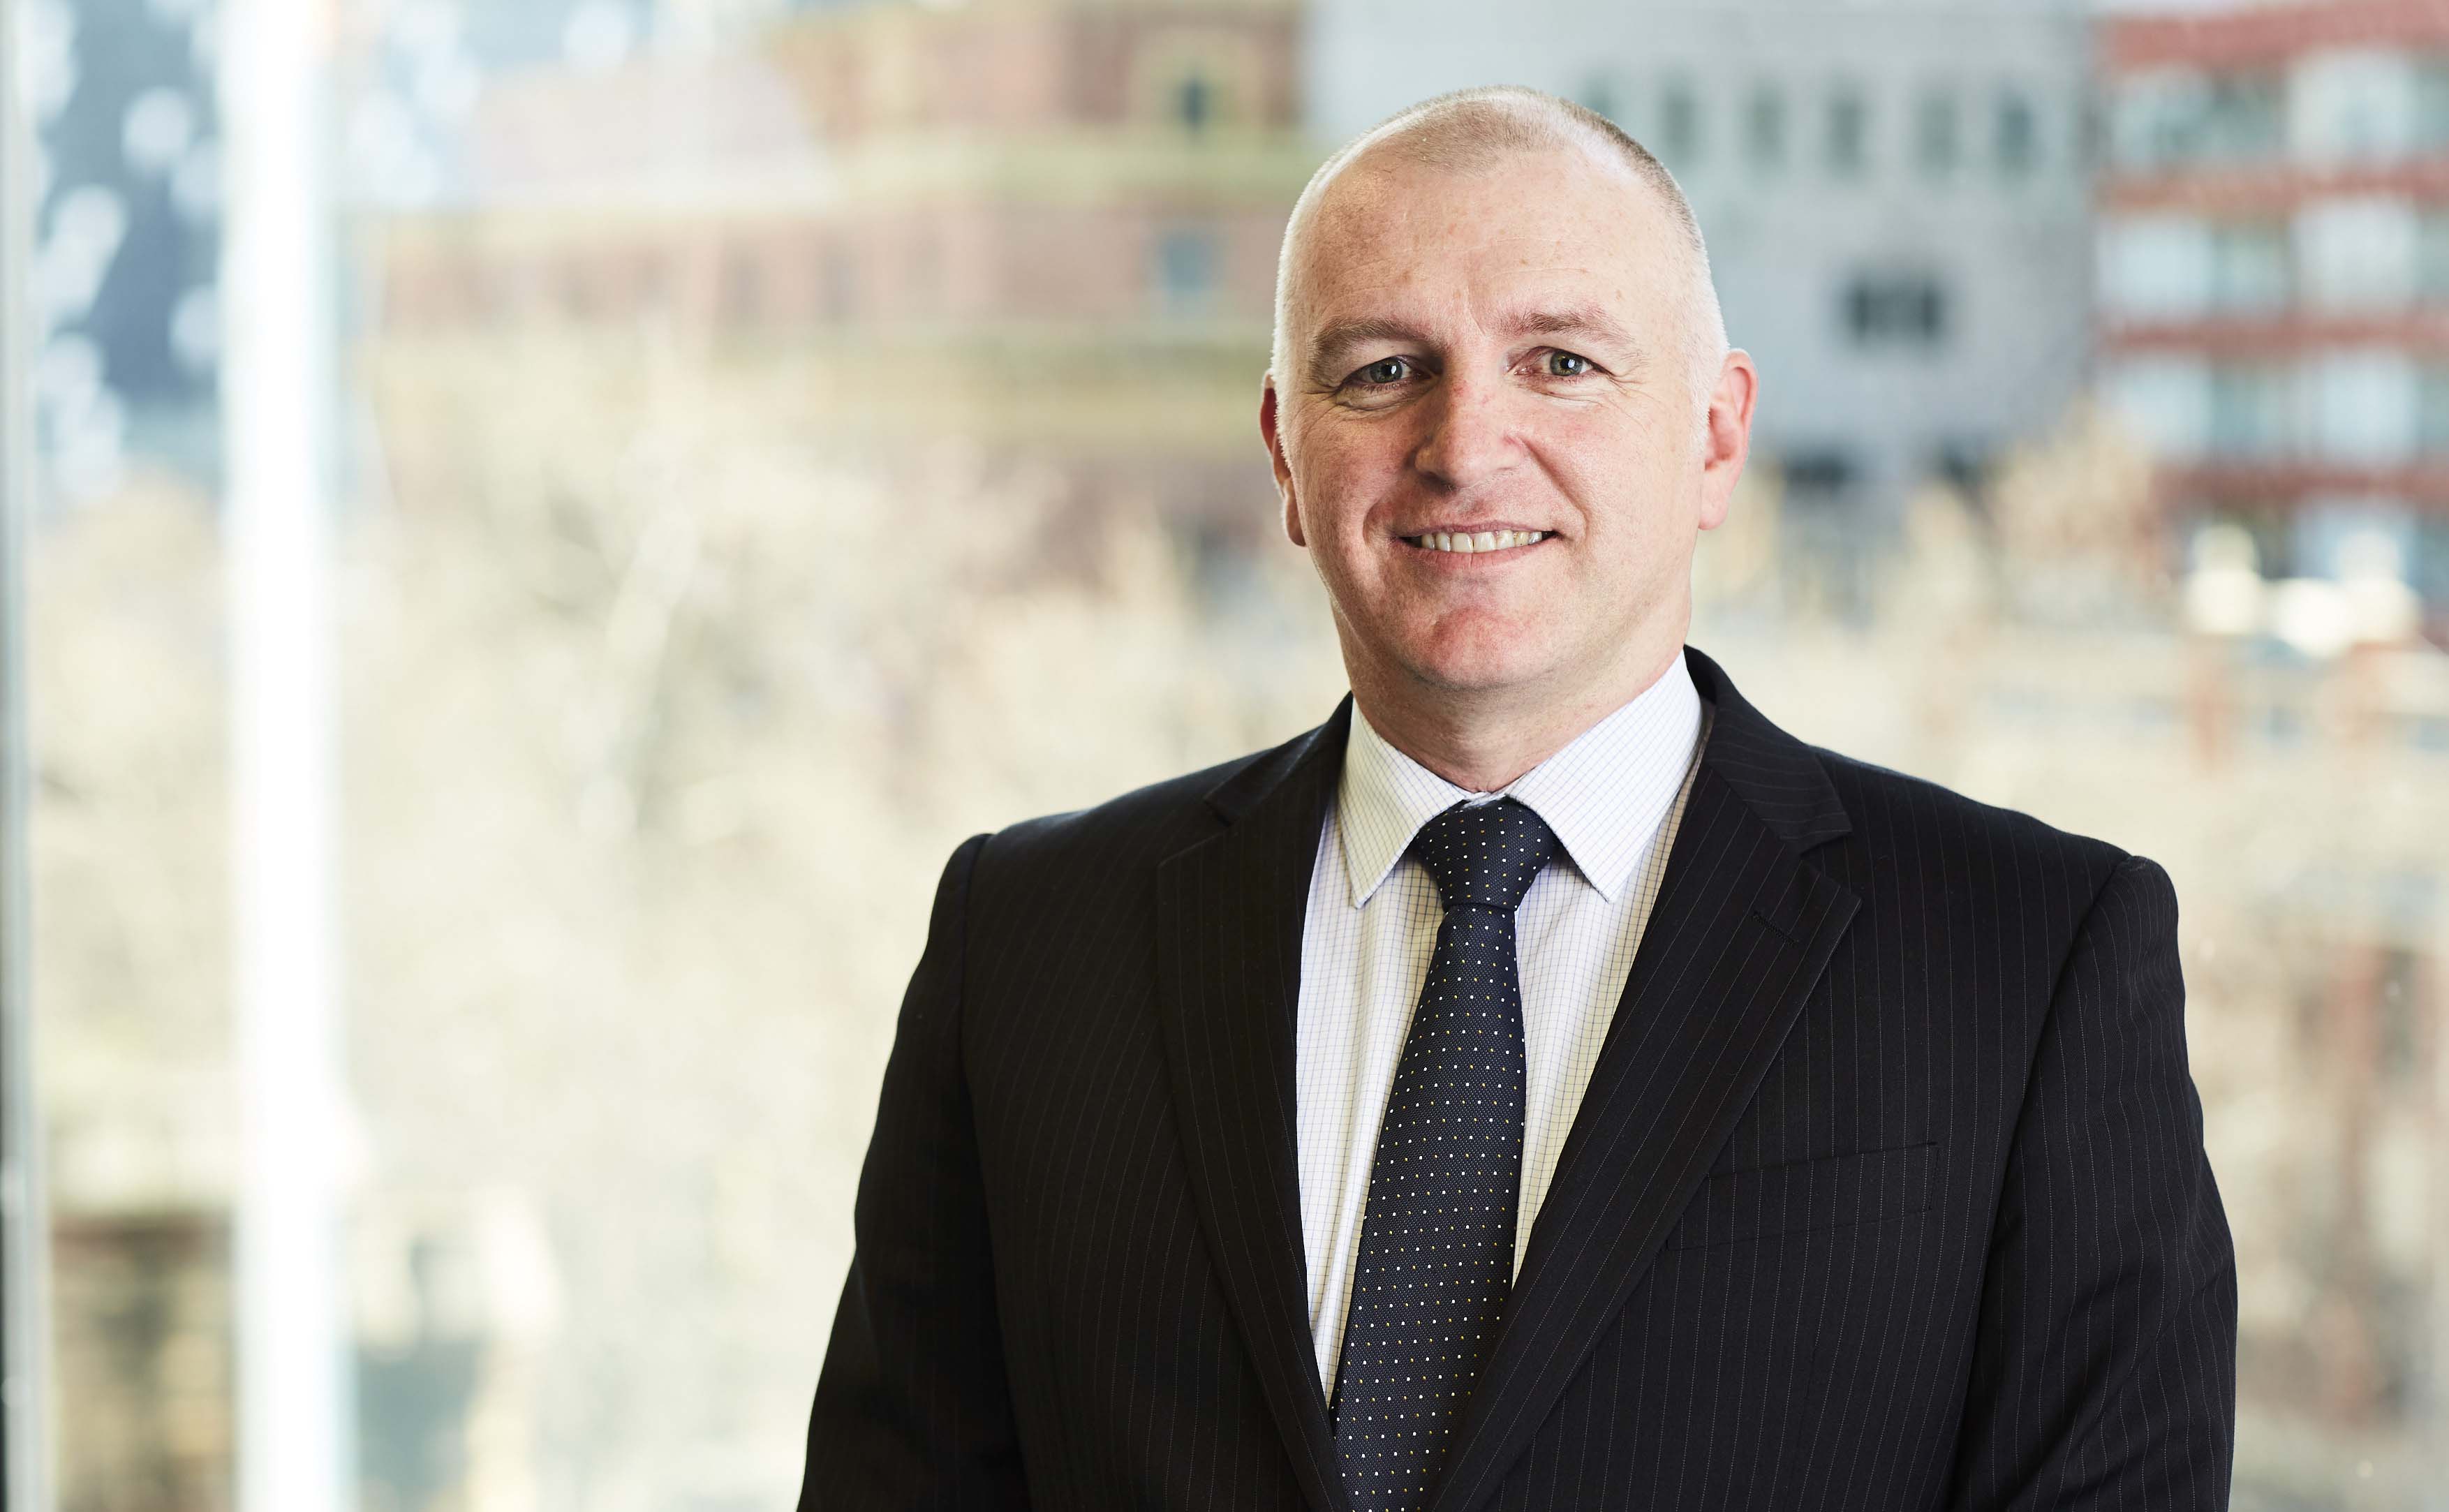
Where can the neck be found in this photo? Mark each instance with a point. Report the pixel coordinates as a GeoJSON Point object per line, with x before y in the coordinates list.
{"type": "Point", "coordinates": [1482, 739]}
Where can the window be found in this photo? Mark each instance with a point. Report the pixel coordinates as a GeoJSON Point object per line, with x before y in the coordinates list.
{"type": "Point", "coordinates": [2244, 118]}
{"type": "Point", "coordinates": [1849, 131]}
{"type": "Point", "coordinates": [2091, 135]}
{"type": "Point", "coordinates": [1935, 133]}
{"type": "Point", "coordinates": [1907, 309]}
{"type": "Point", "coordinates": [2432, 257]}
{"type": "Point", "coordinates": [2432, 412]}
{"type": "Point", "coordinates": [1186, 270]}
{"type": "Point", "coordinates": [1820, 471]}
{"type": "Point", "coordinates": [1765, 129]}
{"type": "Point", "coordinates": [2432, 104]}
{"type": "Point", "coordinates": [1965, 462]}
{"type": "Point", "coordinates": [2249, 267]}
{"type": "Point", "coordinates": [2174, 117]}
{"type": "Point", "coordinates": [2016, 142]}
{"type": "Point", "coordinates": [1679, 125]}
{"type": "Point", "coordinates": [1193, 103]}
{"type": "Point", "coordinates": [2252, 414]}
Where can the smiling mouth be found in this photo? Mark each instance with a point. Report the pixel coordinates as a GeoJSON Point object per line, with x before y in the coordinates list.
{"type": "Point", "coordinates": [1469, 541]}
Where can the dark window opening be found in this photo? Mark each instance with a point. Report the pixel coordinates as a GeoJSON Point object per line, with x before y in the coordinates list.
{"type": "Point", "coordinates": [1905, 309]}
{"type": "Point", "coordinates": [1193, 103]}
{"type": "Point", "coordinates": [1765, 128]}
{"type": "Point", "coordinates": [1935, 134]}
{"type": "Point", "coordinates": [1186, 270]}
{"type": "Point", "coordinates": [2018, 139]}
{"type": "Point", "coordinates": [1819, 472]}
{"type": "Point", "coordinates": [1679, 125]}
{"type": "Point", "coordinates": [1964, 465]}
{"type": "Point", "coordinates": [1849, 133]}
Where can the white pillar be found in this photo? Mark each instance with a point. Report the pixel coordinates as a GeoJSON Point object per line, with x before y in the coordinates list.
{"type": "Point", "coordinates": [277, 380]}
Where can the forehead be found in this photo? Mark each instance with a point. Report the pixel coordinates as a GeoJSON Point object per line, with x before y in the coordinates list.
{"type": "Point", "coordinates": [1556, 222]}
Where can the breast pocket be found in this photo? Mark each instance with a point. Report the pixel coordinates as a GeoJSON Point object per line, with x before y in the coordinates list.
{"type": "Point", "coordinates": [1838, 1192]}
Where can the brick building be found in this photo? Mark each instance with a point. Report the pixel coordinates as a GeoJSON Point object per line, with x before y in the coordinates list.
{"type": "Point", "coordinates": [2274, 275]}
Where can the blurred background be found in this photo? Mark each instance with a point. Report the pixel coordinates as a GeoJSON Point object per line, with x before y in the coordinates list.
{"type": "Point", "coordinates": [544, 521]}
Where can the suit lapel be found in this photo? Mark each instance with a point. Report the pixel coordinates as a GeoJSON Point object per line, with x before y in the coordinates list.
{"type": "Point", "coordinates": [1741, 932]}
{"type": "Point", "coordinates": [1229, 919]}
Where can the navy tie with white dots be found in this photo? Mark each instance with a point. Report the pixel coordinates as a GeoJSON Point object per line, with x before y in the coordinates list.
{"type": "Point", "coordinates": [1437, 1241]}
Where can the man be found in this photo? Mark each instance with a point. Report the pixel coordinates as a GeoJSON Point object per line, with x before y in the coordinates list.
{"type": "Point", "coordinates": [1547, 1083]}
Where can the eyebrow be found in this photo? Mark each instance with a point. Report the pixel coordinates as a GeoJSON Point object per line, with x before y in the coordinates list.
{"type": "Point", "coordinates": [1339, 337]}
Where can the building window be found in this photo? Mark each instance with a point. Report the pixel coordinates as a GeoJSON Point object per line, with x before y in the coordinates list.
{"type": "Point", "coordinates": [1849, 132]}
{"type": "Point", "coordinates": [1907, 309]}
{"type": "Point", "coordinates": [2246, 116]}
{"type": "Point", "coordinates": [1819, 472]}
{"type": "Point", "coordinates": [1935, 133]}
{"type": "Point", "coordinates": [2018, 140]}
{"type": "Point", "coordinates": [2432, 257]}
{"type": "Point", "coordinates": [1186, 270]}
{"type": "Point", "coordinates": [2249, 273]}
{"type": "Point", "coordinates": [1679, 125]}
{"type": "Point", "coordinates": [1765, 129]}
{"type": "Point", "coordinates": [2432, 104]}
{"type": "Point", "coordinates": [2432, 412]}
{"type": "Point", "coordinates": [2091, 135]}
{"type": "Point", "coordinates": [2173, 117]}
{"type": "Point", "coordinates": [2252, 415]}
{"type": "Point", "coordinates": [1193, 103]}
{"type": "Point", "coordinates": [1965, 462]}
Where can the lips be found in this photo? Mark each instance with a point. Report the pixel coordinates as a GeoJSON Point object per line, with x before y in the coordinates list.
{"type": "Point", "coordinates": [1470, 541]}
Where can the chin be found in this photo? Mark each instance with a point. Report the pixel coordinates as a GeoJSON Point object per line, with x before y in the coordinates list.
{"type": "Point", "coordinates": [1479, 661]}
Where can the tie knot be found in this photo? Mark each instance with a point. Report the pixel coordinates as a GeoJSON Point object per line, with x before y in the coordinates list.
{"type": "Point", "coordinates": [1484, 855]}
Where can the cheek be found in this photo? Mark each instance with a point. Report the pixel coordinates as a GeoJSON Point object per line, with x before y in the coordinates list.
{"type": "Point", "coordinates": [1614, 470]}
{"type": "Point", "coordinates": [1344, 475]}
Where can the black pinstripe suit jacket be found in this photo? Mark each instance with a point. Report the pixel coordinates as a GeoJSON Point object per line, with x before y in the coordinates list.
{"type": "Point", "coordinates": [1888, 1191]}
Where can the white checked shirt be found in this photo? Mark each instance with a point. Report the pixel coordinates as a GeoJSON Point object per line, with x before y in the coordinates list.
{"type": "Point", "coordinates": [1612, 798]}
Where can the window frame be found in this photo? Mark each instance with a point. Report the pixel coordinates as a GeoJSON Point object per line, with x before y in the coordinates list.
{"type": "Point", "coordinates": [25, 1228]}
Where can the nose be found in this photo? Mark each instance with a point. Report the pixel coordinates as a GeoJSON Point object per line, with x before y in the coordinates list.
{"type": "Point", "coordinates": [1471, 432]}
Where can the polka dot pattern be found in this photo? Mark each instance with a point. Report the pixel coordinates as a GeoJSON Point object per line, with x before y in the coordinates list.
{"type": "Point", "coordinates": [1437, 1244]}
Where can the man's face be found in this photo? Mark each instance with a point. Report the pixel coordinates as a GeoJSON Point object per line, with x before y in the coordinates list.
{"type": "Point", "coordinates": [1491, 352]}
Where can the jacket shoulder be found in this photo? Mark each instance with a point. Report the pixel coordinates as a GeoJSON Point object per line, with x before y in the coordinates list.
{"type": "Point", "coordinates": [1894, 812]}
{"type": "Point", "coordinates": [1124, 835]}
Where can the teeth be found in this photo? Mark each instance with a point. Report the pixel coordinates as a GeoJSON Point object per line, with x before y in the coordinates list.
{"type": "Point", "coordinates": [1476, 540]}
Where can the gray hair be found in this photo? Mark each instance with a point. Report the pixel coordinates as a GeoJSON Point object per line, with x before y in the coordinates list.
{"type": "Point", "coordinates": [1474, 130]}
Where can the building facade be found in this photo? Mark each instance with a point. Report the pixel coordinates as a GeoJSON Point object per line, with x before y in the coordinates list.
{"type": "Point", "coordinates": [2275, 278]}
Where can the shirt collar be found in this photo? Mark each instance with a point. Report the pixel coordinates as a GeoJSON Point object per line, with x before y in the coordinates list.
{"type": "Point", "coordinates": [1602, 794]}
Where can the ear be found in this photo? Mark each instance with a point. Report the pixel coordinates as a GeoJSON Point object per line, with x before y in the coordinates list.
{"type": "Point", "coordinates": [1729, 439]}
{"type": "Point", "coordinates": [1272, 431]}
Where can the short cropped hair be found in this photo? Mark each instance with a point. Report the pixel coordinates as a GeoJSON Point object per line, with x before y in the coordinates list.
{"type": "Point", "coordinates": [1474, 130]}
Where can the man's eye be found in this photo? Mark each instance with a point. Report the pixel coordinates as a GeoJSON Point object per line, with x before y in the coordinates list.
{"type": "Point", "coordinates": [1580, 365]}
{"type": "Point", "coordinates": [1383, 372]}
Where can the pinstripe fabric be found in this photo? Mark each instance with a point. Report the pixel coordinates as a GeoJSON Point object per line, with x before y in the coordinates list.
{"type": "Point", "coordinates": [1887, 1189]}
{"type": "Point", "coordinates": [1613, 795]}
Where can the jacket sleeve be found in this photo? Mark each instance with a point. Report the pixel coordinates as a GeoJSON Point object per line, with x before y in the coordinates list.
{"type": "Point", "coordinates": [2104, 1375]}
{"type": "Point", "coordinates": [913, 1409]}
